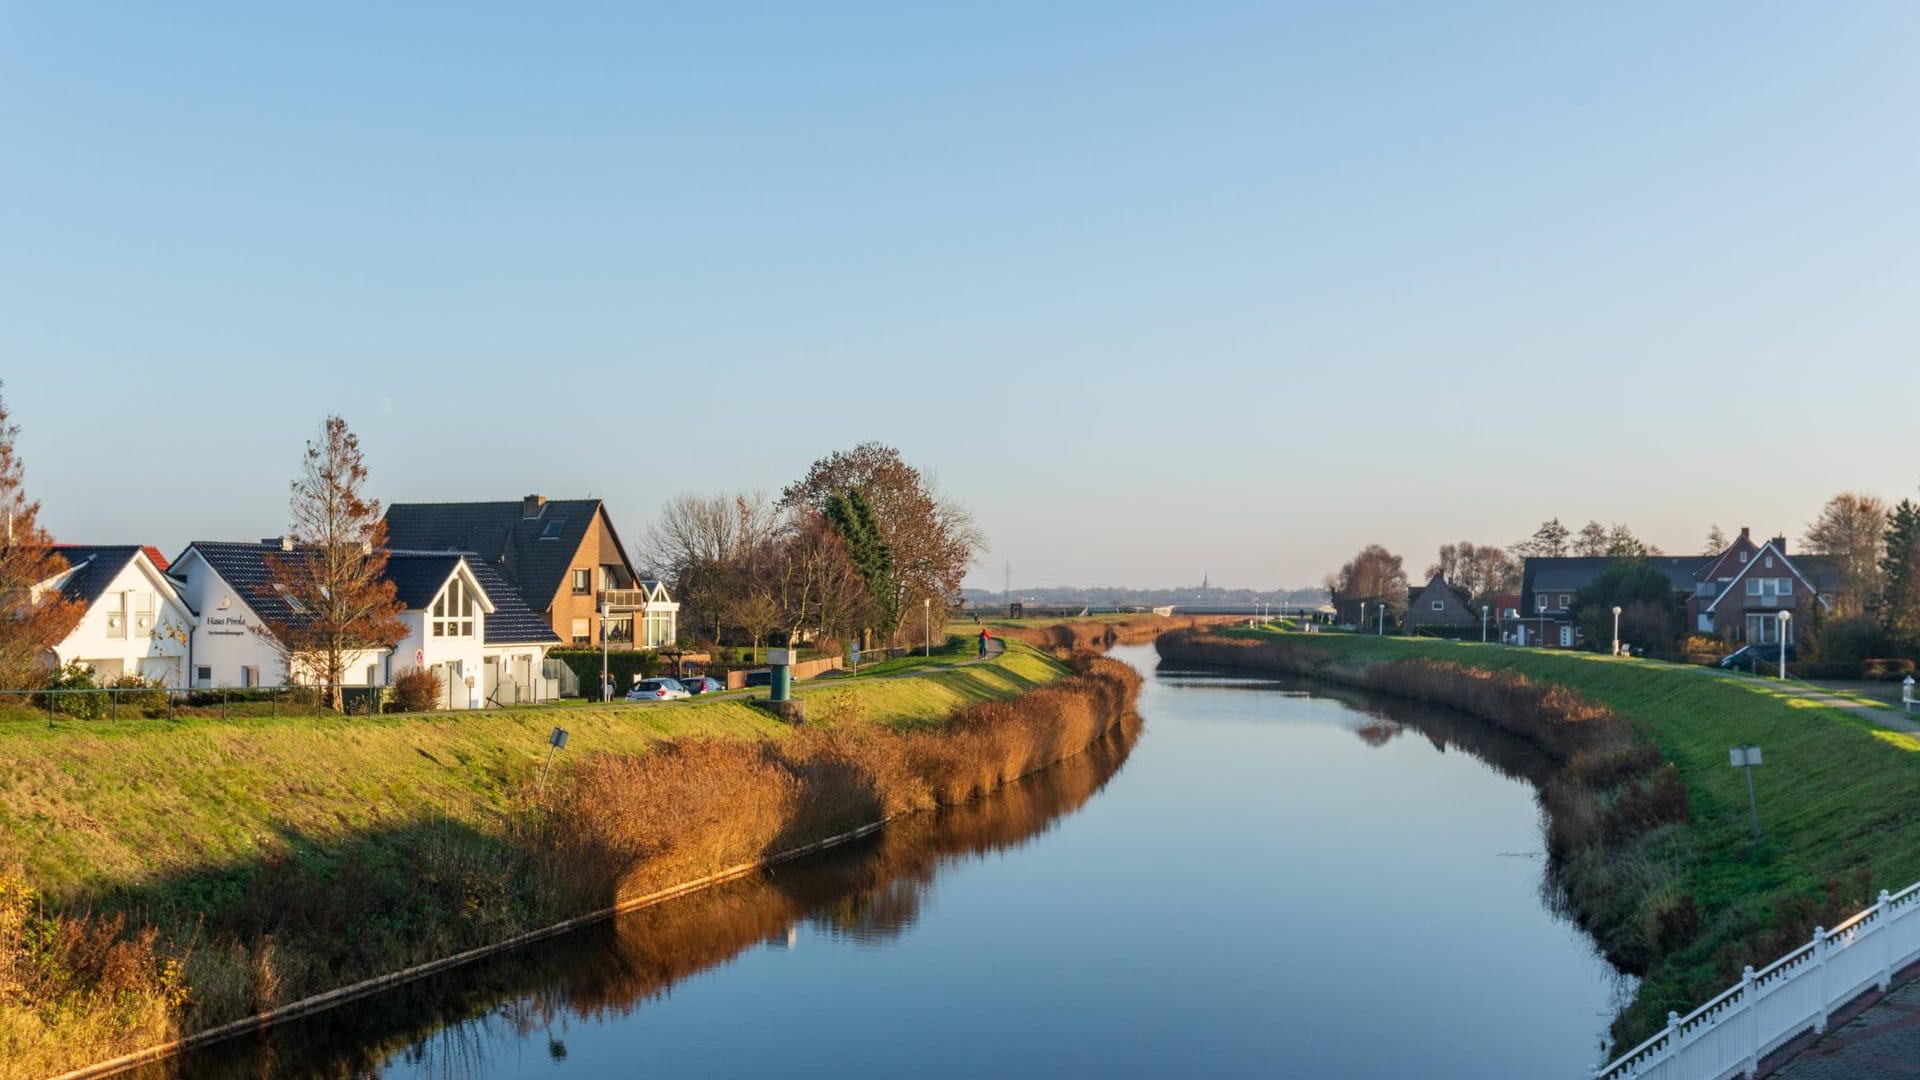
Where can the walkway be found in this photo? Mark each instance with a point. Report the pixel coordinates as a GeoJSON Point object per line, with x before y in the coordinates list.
{"type": "Point", "coordinates": [1880, 1042]}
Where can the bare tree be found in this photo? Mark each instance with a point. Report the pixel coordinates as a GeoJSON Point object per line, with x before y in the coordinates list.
{"type": "Point", "coordinates": [38, 615]}
{"type": "Point", "coordinates": [1375, 576]}
{"type": "Point", "coordinates": [713, 549]}
{"type": "Point", "coordinates": [1548, 541]}
{"type": "Point", "coordinates": [757, 613]}
{"type": "Point", "coordinates": [1591, 540]}
{"type": "Point", "coordinates": [1479, 570]}
{"type": "Point", "coordinates": [339, 602]}
{"type": "Point", "coordinates": [1852, 528]}
{"type": "Point", "coordinates": [1716, 541]}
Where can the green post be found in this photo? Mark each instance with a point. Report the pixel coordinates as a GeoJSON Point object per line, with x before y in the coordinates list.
{"type": "Point", "coordinates": [113, 704]}
{"type": "Point", "coordinates": [780, 685]}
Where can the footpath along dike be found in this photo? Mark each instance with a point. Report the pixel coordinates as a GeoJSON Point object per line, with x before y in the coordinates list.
{"type": "Point", "coordinates": [164, 885]}
{"type": "Point", "coordinates": [1647, 826]}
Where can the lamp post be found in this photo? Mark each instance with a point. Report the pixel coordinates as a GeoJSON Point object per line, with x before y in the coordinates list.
{"type": "Point", "coordinates": [1383, 619]}
{"type": "Point", "coordinates": [606, 687]}
{"type": "Point", "coordinates": [1785, 617]}
{"type": "Point", "coordinates": [1362, 625]}
{"type": "Point", "coordinates": [1616, 629]}
{"type": "Point", "coordinates": [926, 626]}
{"type": "Point", "coordinates": [1483, 624]}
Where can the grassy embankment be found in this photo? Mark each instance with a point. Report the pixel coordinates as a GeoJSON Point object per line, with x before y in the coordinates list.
{"type": "Point", "coordinates": [158, 878]}
{"type": "Point", "coordinates": [1675, 890]}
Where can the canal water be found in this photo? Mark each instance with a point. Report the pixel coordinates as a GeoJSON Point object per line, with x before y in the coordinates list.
{"type": "Point", "coordinates": [1274, 879]}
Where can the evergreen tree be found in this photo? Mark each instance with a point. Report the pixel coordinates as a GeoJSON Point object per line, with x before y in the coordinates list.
{"type": "Point", "coordinates": [852, 518]}
{"type": "Point", "coordinates": [1900, 574]}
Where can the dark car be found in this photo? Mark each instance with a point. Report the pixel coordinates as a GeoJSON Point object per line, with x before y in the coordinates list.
{"type": "Point", "coordinates": [700, 684]}
{"type": "Point", "coordinates": [763, 677]}
{"type": "Point", "coordinates": [1747, 657]}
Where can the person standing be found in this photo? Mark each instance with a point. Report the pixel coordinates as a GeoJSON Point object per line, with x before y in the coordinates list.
{"type": "Point", "coordinates": [986, 635]}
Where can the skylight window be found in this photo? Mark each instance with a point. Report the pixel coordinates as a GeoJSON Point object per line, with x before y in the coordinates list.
{"type": "Point", "coordinates": [552, 531]}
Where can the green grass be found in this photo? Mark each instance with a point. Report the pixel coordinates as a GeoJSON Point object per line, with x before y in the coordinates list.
{"type": "Point", "coordinates": [109, 806]}
{"type": "Point", "coordinates": [1837, 792]}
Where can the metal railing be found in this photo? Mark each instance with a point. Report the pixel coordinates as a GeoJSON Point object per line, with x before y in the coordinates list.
{"type": "Point", "coordinates": [1768, 1008]}
{"type": "Point", "coordinates": [115, 702]}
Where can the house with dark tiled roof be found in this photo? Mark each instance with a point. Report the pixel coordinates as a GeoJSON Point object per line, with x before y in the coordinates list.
{"type": "Point", "coordinates": [1437, 604]}
{"type": "Point", "coordinates": [132, 620]}
{"type": "Point", "coordinates": [463, 622]}
{"type": "Point", "coordinates": [564, 557]}
{"type": "Point", "coordinates": [1737, 594]}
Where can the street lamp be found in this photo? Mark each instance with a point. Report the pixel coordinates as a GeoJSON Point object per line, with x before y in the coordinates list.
{"type": "Point", "coordinates": [1616, 629]}
{"type": "Point", "coordinates": [1383, 619]}
{"type": "Point", "coordinates": [1362, 625]}
{"type": "Point", "coordinates": [1483, 624]}
{"type": "Point", "coordinates": [1784, 617]}
{"type": "Point", "coordinates": [926, 626]}
{"type": "Point", "coordinates": [606, 687]}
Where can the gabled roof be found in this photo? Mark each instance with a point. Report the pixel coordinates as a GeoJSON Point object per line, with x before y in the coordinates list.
{"type": "Point", "coordinates": [1767, 549]}
{"type": "Point", "coordinates": [417, 576]}
{"type": "Point", "coordinates": [1438, 582]}
{"type": "Point", "coordinates": [534, 553]}
{"type": "Point", "coordinates": [92, 567]}
{"type": "Point", "coordinates": [1575, 572]}
{"type": "Point", "coordinates": [511, 622]}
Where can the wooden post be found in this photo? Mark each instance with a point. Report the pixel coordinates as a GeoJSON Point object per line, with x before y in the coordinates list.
{"type": "Point", "coordinates": [1884, 924]}
{"type": "Point", "coordinates": [1751, 1066]}
{"type": "Point", "coordinates": [1820, 960]}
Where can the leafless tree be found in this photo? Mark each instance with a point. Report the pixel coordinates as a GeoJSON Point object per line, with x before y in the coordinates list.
{"type": "Point", "coordinates": [1853, 528]}
{"type": "Point", "coordinates": [340, 603]}
{"type": "Point", "coordinates": [1375, 576]}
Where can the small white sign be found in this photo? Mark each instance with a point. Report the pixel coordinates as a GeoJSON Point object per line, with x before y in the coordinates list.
{"type": "Point", "coordinates": [780, 657]}
{"type": "Point", "coordinates": [1742, 756]}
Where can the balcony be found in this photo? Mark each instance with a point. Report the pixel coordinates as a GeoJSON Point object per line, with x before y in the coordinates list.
{"type": "Point", "coordinates": [622, 599]}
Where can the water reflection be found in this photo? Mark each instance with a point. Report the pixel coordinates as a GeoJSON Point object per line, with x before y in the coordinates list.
{"type": "Point", "coordinates": [465, 1023]}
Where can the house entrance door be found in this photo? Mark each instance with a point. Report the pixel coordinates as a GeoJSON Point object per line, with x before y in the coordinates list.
{"type": "Point", "coordinates": [1566, 635]}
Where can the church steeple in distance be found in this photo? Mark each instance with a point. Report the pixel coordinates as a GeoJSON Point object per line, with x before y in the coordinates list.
{"type": "Point", "coordinates": [1206, 581]}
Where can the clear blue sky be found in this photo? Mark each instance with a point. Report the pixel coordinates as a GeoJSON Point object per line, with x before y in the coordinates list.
{"type": "Point", "coordinates": [1155, 289]}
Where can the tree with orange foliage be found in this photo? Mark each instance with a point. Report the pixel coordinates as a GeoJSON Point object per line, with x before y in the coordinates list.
{"type": "Point", "coordinates": [37, 617]}
{"type": "Point", "coordinates": [340, 605]}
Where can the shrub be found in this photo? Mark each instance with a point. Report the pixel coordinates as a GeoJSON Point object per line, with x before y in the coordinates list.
{"type": "Point", "coordinates": [418, 690]}
{"type": "Point", "coordinates": [1889, 670]}
{"type": "Point", "coordinates": [76, 676]}
{"type": "Point", "coordinates": [1851, 640]}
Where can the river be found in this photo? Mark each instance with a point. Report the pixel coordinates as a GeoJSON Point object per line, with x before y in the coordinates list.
{"type": "Point", "coordinates": [1275, 879]}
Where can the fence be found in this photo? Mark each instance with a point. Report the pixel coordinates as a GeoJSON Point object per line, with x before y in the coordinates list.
{"type": "Point", "coordinates": [1729, 1035]}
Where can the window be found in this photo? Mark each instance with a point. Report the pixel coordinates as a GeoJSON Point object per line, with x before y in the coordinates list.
{"type": "Point", "coordinates": [1565, 600]}
{"type": "Point", "coordinates": [581, 634]}
{"type": "Point", "coordinates": [1743, 556]}
{"type": "Point", "coordinates": [203, 676]}
{"type": "Point", "coordinates": [1540, 603]}
{"type": "Point", "coordinates": [1753, 586]}
{"type": "Point", "coordinates": [1785, 586]}
{"type": "Point", "coordinates": [453, 611]}
{"type": "Point", "coordinates": [1439, 605]}
{"type": "Point", "coordinates": [249, 676]}
{"type": "Point", "coordinates": [116, 607]}
{"type": "Point", "coordinates": [1769, 562]}
{"type": "Point", "coordinates": [373, 674]}
{"type": "Point", "coordinates": [582, 580]}
{"type": "Point", "coordinates": [618, 628]}
{"type": "Point", "coordinates": [552, 531]}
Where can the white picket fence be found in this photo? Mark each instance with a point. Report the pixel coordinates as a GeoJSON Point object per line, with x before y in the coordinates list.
{"type": "Point", "coordinates": [1729, 1035]}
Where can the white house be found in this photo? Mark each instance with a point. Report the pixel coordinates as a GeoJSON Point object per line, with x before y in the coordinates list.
{"type": "Point", "coordinates": [133, 623]}
{"type": "Point", "coordinates": [450, 615]}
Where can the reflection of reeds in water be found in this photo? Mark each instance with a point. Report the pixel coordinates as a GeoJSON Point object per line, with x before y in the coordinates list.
{"type": "Point", "coordinates": [868, 892]}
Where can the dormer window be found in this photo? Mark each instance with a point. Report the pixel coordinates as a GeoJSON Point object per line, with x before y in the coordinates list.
{"type": "Point", "coordinates": [453, 611]}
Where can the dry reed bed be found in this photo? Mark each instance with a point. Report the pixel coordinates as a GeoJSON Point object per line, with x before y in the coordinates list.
{"type": "Point", "coordinates": [77, 986]}
{"type": "Point", "coordinates": [1095, 635]}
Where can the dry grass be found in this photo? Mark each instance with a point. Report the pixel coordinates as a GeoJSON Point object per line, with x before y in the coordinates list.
{"type": "Point", "coordinates": [1095, 635]}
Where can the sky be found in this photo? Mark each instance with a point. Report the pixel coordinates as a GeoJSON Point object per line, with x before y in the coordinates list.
{"type": "Point", "coordinates": [1154, 290]}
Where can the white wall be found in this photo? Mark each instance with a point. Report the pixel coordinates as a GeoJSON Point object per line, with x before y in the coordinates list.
{"type": "Point", "coordinates": [154, 645]}
{"type": "Point", "coordinates": [227, 638]}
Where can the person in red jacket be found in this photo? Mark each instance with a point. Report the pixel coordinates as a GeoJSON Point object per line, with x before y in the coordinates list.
{"type": "Point", "coordinates": [986, 635]}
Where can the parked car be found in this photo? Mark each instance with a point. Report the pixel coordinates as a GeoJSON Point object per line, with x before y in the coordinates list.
{"type": "Point", "coordinates": [657, 690]}
{"type": "Point", "coordinates": [1745, 657]}
{"type": "Point", "coordinates": [762, 677]}
{"type": "Point", "coordinates": [700, 684]}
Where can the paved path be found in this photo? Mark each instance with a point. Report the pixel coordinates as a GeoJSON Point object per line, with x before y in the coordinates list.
{"type": "Point", "coordinates": [1880, 1043]}
{"type": "Point", "coordinates": [1890, 718]}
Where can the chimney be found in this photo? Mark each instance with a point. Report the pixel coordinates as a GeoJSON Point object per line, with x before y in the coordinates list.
{"type": "Point", "coordinates": [1746, 534]}
{"type": "Point", "coordinates": [284, 543]}
{"type": "Point", "coordinates": [1780, 544]}
{"type": "Point", "coordinates": [533, 506]}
